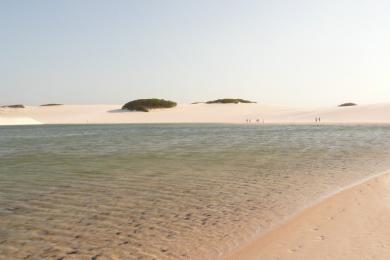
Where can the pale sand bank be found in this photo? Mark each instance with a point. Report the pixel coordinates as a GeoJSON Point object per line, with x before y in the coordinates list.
{"type": "Point", "coordinates": [9, 120]}
{"type": "Point", "coordinates": [196, 113]}
{"type": "Point", "coordinates": [353, 224]}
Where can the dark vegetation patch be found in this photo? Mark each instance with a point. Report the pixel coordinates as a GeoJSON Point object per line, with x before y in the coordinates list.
{"type": "Point", "coordinates": [14, 106]}
{"type": "Point", "coordinates": [51, 105]}
{"type": "Point", "coordinates": [144, 105]}
{"type": "Point", "coordinates": [348, 105]}
{"type": "Point", "coordinates": [229, 101]}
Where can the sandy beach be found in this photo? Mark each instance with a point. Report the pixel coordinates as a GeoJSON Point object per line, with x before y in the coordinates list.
{"type": "Point", "coordinates": [353, 224]}
{"type": "Point", "coordinates": [194, 113]}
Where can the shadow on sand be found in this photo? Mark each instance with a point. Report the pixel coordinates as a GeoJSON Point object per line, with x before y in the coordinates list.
{"type": "Point", "coordinates": [118, 111]}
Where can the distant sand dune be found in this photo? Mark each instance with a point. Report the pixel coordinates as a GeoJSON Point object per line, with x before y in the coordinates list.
{"type": "Point", "coordinates": [200, 113]}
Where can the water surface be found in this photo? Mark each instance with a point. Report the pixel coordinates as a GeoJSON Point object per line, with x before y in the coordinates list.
{"type": "Point", "coordinates": [168, 191]}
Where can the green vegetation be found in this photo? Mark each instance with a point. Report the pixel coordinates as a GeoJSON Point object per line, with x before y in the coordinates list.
{"type": "Point", "coordinates": [50, 105]}
{"type": "Point", "coordinates": [229, 101]}
{"type": "Point", "coordinates": [14, 106]}
{"type": "Point", "coordinates": [347, 105]}
{"type": "Point", "coordinates": [144, 105]}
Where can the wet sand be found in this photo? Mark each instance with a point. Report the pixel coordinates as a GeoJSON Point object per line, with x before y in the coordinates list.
{"type": "Point", "coordinates": [353, 224]}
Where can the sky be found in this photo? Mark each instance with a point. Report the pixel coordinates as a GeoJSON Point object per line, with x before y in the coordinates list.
{"type": "Point", "coordinates": [282, 52]}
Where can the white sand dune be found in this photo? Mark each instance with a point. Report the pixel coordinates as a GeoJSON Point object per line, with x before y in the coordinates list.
{"type": "Point", "coordinates": [196, 113]}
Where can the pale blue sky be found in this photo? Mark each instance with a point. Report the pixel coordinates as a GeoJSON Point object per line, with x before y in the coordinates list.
{"type": "Point", "coordinates": [299, 53]}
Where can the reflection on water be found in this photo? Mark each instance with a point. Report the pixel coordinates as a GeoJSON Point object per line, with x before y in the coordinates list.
{"type": "Point", "coordinates": [167, 191]}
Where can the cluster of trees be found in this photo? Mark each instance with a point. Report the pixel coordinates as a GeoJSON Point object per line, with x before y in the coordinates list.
{"type": "Point", "coordinates": [229, 101]}
{"type": "Point", "coordinates": [145, 105]}
{"type": "Point", "coordinates": [14, 106]}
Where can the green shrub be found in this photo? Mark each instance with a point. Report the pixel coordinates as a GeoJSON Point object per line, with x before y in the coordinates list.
{"type": "Point", "coordinates": [229, 101]}
{"type": "Point", "coordinates": [347, 105]}
{"type": "Point", "coordinates": [14, 106]}
{"type": "Point", "coordinates": [50, 105]}
{"type": "Point", "coordinates": [144, 105]}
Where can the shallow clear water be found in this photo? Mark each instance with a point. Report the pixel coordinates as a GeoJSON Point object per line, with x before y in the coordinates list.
{"type": "Point", "coordinates": [168, 191]}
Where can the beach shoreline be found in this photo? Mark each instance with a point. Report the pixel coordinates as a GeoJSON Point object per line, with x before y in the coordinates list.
{"type": "Point", "coordinates": [347, 224]}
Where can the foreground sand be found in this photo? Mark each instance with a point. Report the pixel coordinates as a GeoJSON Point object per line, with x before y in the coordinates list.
{"type": "Point", "coordinates": [353, 224]}
{"type": "Point", "coordinates": [197, 113]}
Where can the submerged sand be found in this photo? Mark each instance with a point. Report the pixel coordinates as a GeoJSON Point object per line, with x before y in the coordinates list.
{"type": "Point", "coordinates": [353, 224]}
{"type": "Point", "coordinates": [194, 113]}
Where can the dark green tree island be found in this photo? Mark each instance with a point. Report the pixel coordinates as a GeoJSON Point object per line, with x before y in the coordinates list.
{"type": "Point", "coordinates": [144, 105]}
{"type": "Point", "coordinates": [229, 101]}
{"type": "Point", "coordinates": [51, 105]}
{"type": "Point", "coordinates": [14, 106]}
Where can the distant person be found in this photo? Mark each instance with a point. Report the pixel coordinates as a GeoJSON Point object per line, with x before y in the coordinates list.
{"type": "Point", "coordinates": [319, 119]}
{"type": "Point", "coordinates": [257, 120]}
